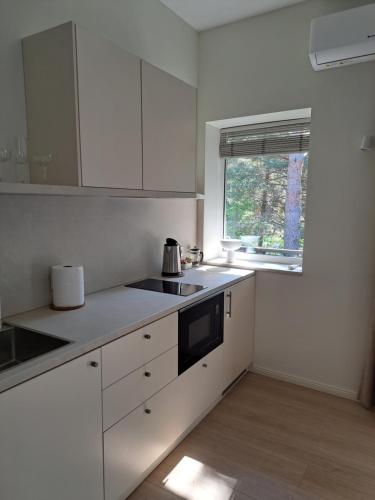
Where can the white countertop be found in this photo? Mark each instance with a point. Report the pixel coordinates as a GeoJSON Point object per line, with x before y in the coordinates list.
{"type": "Point", "coordinates": [108, 315]}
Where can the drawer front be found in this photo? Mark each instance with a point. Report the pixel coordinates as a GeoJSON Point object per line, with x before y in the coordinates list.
{"type": "Point", "coordinates": [126, 394]}
{"type": "Point", "coordinates": [159, 336]}
{"type": "Point", "coordinates": [122, 397]}
{"type": "Point", "coordinates": [160, 372]}
{"type": "Point", "coordinates": [121, 357]}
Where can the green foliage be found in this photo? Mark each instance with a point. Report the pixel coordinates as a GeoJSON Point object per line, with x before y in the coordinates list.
{"type": "Point", "coordinates": [255, 193]}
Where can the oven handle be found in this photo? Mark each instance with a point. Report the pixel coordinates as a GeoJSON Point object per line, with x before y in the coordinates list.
{"type": "Point", "coordinates": [199, 302]}
{"type": "Point", "coordinates": [229, 312]}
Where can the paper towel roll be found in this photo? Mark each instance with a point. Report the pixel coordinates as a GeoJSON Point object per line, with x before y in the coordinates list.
{"type": "Point", "coordinates": [67, 287]}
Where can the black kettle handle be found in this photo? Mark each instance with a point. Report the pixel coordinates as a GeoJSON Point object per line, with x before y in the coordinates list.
{"type": "Point", "coordinates": [201, 254]}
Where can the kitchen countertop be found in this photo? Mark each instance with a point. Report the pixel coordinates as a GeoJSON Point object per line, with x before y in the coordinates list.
{"type": "Point", "coordinates": [108, 315]}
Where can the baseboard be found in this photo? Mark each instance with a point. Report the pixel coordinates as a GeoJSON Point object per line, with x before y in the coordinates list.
{"type": "Point", "coordinates": [311, 384]}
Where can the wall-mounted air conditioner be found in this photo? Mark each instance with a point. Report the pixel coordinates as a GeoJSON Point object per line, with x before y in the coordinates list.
{"type": "Point", "coordinates": [346, 37]}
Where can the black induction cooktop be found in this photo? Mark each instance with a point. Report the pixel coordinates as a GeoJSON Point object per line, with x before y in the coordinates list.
{"type": "Point", "coordinates": [164, 286]}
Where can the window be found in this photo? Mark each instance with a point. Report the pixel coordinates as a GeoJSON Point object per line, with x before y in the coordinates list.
{"type": "Point", "coordinates": [265, 187]}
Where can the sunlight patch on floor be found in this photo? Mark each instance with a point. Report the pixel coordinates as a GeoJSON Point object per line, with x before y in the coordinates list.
{"type": "Point", "coordinates": [193, 480]}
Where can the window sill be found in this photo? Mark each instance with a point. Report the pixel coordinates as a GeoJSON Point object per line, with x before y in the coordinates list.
{"type": "Point", "coordinates": [256, 266]}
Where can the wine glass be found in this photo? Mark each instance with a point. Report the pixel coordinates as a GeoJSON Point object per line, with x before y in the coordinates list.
{"type": "Point", "coordinates": [21, 158]}
{"type": "Point", "coordinates": [5, 156]}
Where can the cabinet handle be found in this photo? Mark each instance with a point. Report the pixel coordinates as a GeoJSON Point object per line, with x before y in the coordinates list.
{"type": "Point", "coordinates": [147, 336]}
{"type": "Point", "coordinates": [148, 411]}
{"type": "Point", "coordinates": [147, 374]}
{"type": "Point", "coordinates": [229, 312]}
{"type": "Point", "coordinates": [94, 364]}
{"type": "Point", "coordinates": [204, 365]}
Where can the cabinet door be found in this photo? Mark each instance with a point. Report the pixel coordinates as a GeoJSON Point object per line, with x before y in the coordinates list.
{"type": "Point", "coordinates": [51, 436]}
{"type": "Point", "coordinates": [109, 90]}
{"type": "Point", "coordinates": [126, 455]}
{"type": "Point", "coordinates": [51, 106]}
{"type": "Point", "coordinates": [169, 131]}
{"type": "Point", "coordinates": [201, 385]}
{"type": "Point", "coordinates": [162, 419]}
{"type": "Point", "coordinates": [238, 329]}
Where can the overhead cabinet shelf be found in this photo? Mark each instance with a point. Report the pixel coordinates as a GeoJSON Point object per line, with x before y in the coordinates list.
{"type": "Point", "coordinates": [99, 117]}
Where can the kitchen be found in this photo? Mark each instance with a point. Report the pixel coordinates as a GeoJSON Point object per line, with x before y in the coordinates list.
{"type": "Point", "coordinates": [310, 329]}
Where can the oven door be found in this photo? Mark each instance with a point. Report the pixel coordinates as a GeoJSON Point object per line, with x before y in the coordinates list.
{"type": "Point", "coordinates": [200, 330]}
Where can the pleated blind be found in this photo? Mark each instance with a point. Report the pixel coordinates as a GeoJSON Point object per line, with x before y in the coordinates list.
{"type": "Point", "coordinates": [265, 139]}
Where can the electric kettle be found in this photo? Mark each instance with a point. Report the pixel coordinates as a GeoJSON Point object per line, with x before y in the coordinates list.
{"type": "Point", "coordinates": [172, 258]}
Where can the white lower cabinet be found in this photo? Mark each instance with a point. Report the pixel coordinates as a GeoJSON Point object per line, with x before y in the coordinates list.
{"type": "Point", "coordinates": [133, 445]}
{"type": "Point", "coordinates": [51, 435]}
{"type": "Point", "coordinates": [201, 386]}
{"type": "Point", "coordinates": [51, 427]}
{"type": "Point", "coordinates": [238, 328]}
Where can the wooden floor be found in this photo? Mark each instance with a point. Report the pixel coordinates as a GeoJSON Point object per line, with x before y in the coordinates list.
{"type": "Point", "coordinates": [269, 440]}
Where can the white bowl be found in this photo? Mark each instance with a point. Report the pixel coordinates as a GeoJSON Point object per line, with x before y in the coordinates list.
{"type": "Point", "coordinates": [229, 244]}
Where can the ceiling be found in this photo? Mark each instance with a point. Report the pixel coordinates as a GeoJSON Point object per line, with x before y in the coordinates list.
{"type": "Point", "coordinates": [205, 14]}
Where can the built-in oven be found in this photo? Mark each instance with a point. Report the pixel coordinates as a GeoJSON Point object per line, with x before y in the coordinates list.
{"type": "Point", "coordinates": [200, 330]}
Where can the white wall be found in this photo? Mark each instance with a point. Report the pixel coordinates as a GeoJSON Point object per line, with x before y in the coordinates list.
{"type": "Point", "coordinates": [312, 327]}
{"type": "Point", "coordinates": [116, 240]}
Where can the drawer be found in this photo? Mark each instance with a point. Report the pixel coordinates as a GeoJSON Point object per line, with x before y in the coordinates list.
{"type": "Point", "coordinates": [160, 336]}
{"type": "Point", "coordinates": [126, 394]}
{"type": "Point", "coordinates": [160, 371]}
{"type": "Point", "coordinates": [123, 356]}
{"type": "Point", "coordinates": [122, 397]}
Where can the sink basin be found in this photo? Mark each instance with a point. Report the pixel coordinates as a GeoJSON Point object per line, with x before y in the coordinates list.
{"type": "Point", "coordinates": [18, 345]}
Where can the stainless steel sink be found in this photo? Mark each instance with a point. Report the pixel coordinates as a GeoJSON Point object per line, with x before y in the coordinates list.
{"type": "Point", "coordinates": [18, 345]}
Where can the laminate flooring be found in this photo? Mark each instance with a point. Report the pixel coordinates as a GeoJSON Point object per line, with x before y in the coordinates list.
{"type": "Point", "coordinates": [271, 440]}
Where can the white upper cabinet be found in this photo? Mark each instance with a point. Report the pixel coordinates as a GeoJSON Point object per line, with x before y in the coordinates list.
{"type": "Point", "coordinates": [169, 132]}
{"type": "Point", "coordinates": [238, 329]}
{"type": "Point", "coordinates": [89, 114]}
{"type": "Point", "coordinates": [51, 435]}
{"type": "Point", "coordinates": [109, 90]}
{"type": "Point", "coordinates": [83, 99]}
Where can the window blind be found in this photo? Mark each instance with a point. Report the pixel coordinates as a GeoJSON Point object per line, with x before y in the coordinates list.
{"type": "Point", "coordinates": [265, 139]}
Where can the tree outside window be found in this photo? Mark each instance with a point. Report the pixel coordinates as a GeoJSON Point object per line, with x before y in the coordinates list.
{"type": "Point", "coordinates": [265, 200]}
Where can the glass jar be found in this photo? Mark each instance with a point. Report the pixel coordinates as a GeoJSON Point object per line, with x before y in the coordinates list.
{"type": "Point", "coordinates": [196, 256]}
